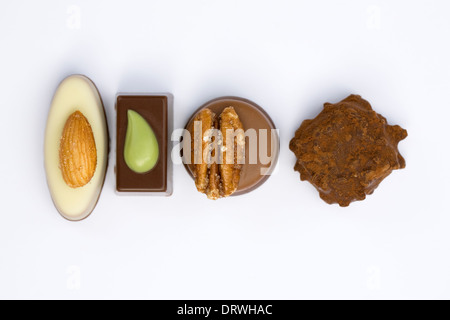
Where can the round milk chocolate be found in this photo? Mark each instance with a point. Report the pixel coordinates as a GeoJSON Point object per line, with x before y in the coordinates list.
{"type": "Point", "coordinates": [258, 126]}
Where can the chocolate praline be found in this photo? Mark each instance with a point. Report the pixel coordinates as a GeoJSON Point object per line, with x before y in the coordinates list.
{"type": "Point", "coordinates": [347, 150]}
{"type": "Point", "coordinates": [253, 117]}
{"type": "Point", "coordinates": [155, 111]}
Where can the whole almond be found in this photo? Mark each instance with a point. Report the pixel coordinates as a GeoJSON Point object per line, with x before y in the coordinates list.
{"type": "Point", "coordinates": [77, 152]}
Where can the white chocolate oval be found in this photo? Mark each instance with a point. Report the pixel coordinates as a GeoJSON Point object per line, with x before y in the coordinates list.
{"type": "Point", "coordinates": [76, 92]}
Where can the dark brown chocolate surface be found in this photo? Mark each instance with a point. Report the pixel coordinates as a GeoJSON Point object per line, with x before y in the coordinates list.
{"type": "Point", "coordinates": [155, 110]}
{"type": "Point", "coordinates": [347, 150]}
{"type": "Point", "coordinates": [252, 117]}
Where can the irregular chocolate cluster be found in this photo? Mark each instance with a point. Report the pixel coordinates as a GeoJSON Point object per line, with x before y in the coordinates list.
{"type": "Point", "coordinates": [347, 150]}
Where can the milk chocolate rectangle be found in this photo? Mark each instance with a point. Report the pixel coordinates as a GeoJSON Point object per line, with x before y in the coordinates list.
{"type": "Point", "coordinates": [156, 110]}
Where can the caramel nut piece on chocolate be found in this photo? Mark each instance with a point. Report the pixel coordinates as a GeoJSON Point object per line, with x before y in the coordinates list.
{"type": "Point", "coordinates": [217, 152]}
{"type": "Point", "coordinates": [233, 144]}
{"type": "Point", "coordinates": [201, 140]}
{"type": "Point", "coordinates": [213, 190]}
{"type": "Point", "coordinates": [347, 150]}
{"type": "Point", "coordinates": [77, 153]}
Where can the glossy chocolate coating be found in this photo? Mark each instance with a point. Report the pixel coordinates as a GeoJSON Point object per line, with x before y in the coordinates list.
{"type": "Point", "coordinates": [347, 150]}
{"type": "Point", "coordinates": [252, 116]}
{"type": "Point", "coordinates": [155, 110]}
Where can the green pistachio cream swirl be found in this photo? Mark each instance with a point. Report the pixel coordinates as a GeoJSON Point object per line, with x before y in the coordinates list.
{"type": "Point", "coordinates": [141, 146]}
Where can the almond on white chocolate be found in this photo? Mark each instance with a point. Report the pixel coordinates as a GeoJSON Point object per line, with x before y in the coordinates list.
{"type": "Point", "coordinates": [76, 147]}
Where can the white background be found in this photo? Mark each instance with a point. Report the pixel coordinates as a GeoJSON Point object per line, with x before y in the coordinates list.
{"type": "Point", "coordinates": [279, 242]}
